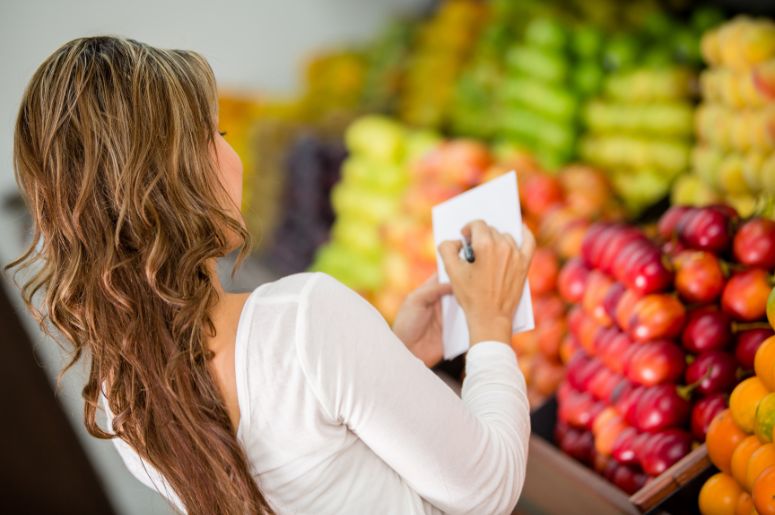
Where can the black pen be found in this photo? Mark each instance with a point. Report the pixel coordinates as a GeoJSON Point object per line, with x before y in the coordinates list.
{"type": "Point", "coordinates": [468, 251]}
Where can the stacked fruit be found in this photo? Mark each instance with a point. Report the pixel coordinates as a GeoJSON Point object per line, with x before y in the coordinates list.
{"type": "Point", "coordinates": [735, 125]}
{"type": "Point", "coordinates": [441, 170]}
{"type": "Point", "coordinates": [369, 193]}
{"type": "Point", "coordinates": [740, 439]}
{"type": "Point", "coordinates": [661, 332]}
{"type": "Point", "coordinates": [440, 48]}
{"type": "Point", "coordinates": [538, 107]}
{"type": "Point", "coordinates": [559, 209]}
{"type": "Point", "coordinates": [640, 130]}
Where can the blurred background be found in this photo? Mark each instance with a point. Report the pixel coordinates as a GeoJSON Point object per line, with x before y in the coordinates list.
{"type": "Point", "coordinates": [354, 117]}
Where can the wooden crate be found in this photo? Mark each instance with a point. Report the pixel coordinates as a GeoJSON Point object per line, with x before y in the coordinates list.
{"type": "Point", "coordinates": [556, 483]}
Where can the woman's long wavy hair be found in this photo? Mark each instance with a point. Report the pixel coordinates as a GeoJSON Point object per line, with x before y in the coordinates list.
{"type": "Point", "coordinates": [112, 153]}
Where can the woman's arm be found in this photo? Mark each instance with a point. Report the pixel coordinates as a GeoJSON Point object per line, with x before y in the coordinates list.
{"type": "Point", "coordinates": [463, 455]}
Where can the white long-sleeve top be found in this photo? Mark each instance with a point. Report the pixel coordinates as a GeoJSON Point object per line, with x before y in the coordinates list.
{"type": "Point", "coordinates": [337, 416]}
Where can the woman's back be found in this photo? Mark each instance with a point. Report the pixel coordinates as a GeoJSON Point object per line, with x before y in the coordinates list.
{"type": "Point", "coordinates": [337, 416]}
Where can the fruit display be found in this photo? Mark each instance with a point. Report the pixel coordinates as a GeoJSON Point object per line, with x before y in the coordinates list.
{"type": "Point", "coordinates": [735, 124]}
{"type": "Point", "coordinates": [374, 178]}
{"type": "Point", "coordinates": [558, 209]}
{"type": "Point", "coordinates": [740, 438]}
{"type": "Point", "coordinates": [663, 329]}
{"type": "Point", "coordinates": [440, 47]}
{"type": "Point", "coordinates": [538, 105]}
{"type": "Point", "coordinates": [475, 106]}
{"type": "Point", "coordinates": [640, 130]}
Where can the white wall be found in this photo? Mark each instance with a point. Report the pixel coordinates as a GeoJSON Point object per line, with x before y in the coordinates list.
{"type": "Point", "coordinates": [250, 44]}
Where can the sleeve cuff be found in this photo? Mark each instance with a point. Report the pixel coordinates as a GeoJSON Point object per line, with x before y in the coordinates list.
{"type": "Point", "coordinates": [490, 351]}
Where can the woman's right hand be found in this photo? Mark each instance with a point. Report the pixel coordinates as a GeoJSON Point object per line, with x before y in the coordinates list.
{"type": "Point", "coordinates": [490, 288]}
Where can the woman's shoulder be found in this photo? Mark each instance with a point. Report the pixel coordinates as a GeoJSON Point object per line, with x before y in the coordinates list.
{"type": "Point", "coordinates": [304, 287]}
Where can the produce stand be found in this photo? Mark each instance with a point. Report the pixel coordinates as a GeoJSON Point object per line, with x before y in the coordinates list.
{"type": "Point", "coordinates": [550, 471]}
{"type": "Point", "coordinates": [643, 136]}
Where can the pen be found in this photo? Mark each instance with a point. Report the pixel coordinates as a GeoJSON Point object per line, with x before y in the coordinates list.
{"type": "Point", "coordinates": [468, 251]}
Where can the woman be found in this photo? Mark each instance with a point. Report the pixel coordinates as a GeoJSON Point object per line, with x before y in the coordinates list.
{"type": "Point", "coordinates": [293, 398]}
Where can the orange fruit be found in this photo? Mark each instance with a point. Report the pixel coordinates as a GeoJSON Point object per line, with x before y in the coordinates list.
{"type": "Point", "coordinates": [761, 458]}
{"type": "Point", "coordinates": [744, 399]}
{"type": "Point", "coordinates": [741, 456]}
{"type": "Point", "coordinates": [764, 492]}
{"type": "Point", "coordinates": [722, 439]}
{"type": "Point", "coordinates": [744, 504]}
{"type": "Point", "coordinates": [719, 495]}
{"type": "Point", "coordinates": [764, 363]}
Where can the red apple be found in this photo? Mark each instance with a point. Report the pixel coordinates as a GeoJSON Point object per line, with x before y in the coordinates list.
{"type": "Point", "coordinates": [599, 385]}
{"type": "Point", "coordinates": [629, 479]}
{"type": "Point", "coordinates": [699, 276]}
{"type": "Point", "coordinates": [754, 243]}
{"type": "Point", "coordinates": [624, 450]}
{"type": "Point", "coordinates": [745, 295]}
{"type": "Point", "coordinates": [581, 370]}
{"type": "Point", "coordinates": [703, 413]}
{"type": "Point", "coordinates": [573, 280]}
{"type": "Point", "coordinates": [629, 255]}
{"type": "Point", "coordinates": [649, 274]}
{"type": "Point", "coordinates": [578, 444]}
{"type": "Point", "coordinates": [657, 316]}
{"type": "Point", "coordinates": [659, 407]}
{"type": "Point", "coordinates": [712, 372]}
{"type": "Point", "coordinates": [621, 237]}
{"type": "Point", "coordinates": [655, 363]}
{"type": "Point", "coordinates": [664, 449]}
{"type": "Point", "coordinates": [707, 328]}
{"type": "Point", "coordinates": [593, 245]}
{"type": "Point", "coordinates": [706, 228]}
{"type": "Point", "coordinates": [748, 342]}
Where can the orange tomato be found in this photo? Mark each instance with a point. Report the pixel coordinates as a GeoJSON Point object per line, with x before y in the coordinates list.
{"type": "Point", "coordinates": [761, 459]}
{"type": "Point", "coordinates": [764, 492]}
{"type": "Point", "coordinates": [719, 495]}
{"type": "Point", "coordinates": [723, 437]}
{"type": "Point", "coordinates": [744, 504]}
{"type": "Point", "coordinates": [764, 363]}
{"type": "Point", "coordinates": [743, 401]}
{"type": "Point", "coordinates": [741, 456]}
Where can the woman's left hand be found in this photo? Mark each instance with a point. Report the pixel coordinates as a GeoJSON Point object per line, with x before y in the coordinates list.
{"type": "Point", "coordinates": [418, 322]}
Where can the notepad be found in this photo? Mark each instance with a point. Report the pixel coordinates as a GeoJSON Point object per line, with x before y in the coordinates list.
{"type": "Point", "coordinates": [497, 203]}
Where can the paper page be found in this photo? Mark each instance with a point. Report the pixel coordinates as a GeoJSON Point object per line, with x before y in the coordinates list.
{"type": "Point", "coordinates": [497, 203]}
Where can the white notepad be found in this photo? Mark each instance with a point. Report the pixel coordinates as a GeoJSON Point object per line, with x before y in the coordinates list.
{"type": "Point", "coordinates": [497, 203]}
